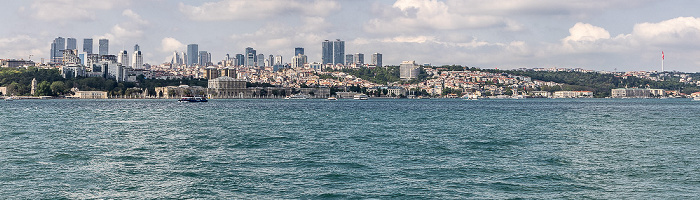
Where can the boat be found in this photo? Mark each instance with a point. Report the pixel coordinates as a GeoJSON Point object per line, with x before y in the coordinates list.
{"type": "Point", "coordinates": [470, 97]}
{"type": "Point", "coordinates": [297, 96]}
{"type": "Point", "coordinates": [192, 99]}
{"type": "Point", "coordinates": [9, 98]}
{"type": "Point", "coordinates": [332, 98]}
{"type": "Point", "coordinates": [360, 97]}
{"type": "Point", "coordinates": [697, 98]}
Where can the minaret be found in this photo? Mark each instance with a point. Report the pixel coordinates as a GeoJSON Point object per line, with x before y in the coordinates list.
{"type": "Point", "coordinates": [33, 86]}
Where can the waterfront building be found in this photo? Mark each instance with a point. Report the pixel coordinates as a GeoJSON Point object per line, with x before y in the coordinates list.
{"type": "Point", "coordinates": [298, 51]}
{"type": "Point", "coordinates": [409, 70]}
{"type": "Point", "coordinates": [573, 94]}
{"type": "Point", "coordinates": [71, 44]}
{"type": "Point", "coordinates": [103, 47]}
{"type": "Point", "coordinates": [541, 94]}
{"type": "Point", "coordinates": [123, 58]}
{"type": "Point", "coordinates": [87, 45]}
{"type": "Point", "coordinates": [89, 94]}
{"type": "Point", "coordinates": [377, 59]}
{"type": "Point", "coordinates": [338, 52]}
{"type": "Point", "coordinates": [226, 87]}
{"type": "Point", "coordinates": [636, 93]}
{"type": "Point", "coordinates": [179, 91]}
{"type": "Point", "coordinates": [192, 54]}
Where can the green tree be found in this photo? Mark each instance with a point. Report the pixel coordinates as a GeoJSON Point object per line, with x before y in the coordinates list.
{"type": "Point", "coordinates": [43, 89]}
{"type": "Point", "coordinates": [58, 88]}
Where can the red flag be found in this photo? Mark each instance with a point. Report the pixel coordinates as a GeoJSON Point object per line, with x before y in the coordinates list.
{"type": "Point", "coordinates": [662, 55]}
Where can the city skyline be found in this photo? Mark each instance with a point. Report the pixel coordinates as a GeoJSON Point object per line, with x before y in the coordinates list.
{"type": "Point", "coordinates": [598, 35]}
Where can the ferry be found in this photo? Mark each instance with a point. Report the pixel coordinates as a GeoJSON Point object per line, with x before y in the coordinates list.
{"type": "Point", "coordinates": [332, 99]}
{"type": "Point", "coordinates": [297, 96]}
{"type": "Point", "coordinates": [697, 98]}
{"type": "Point", "coordinates": [192, 99]}
{"type": "Point", "coordinates": [360, 97]}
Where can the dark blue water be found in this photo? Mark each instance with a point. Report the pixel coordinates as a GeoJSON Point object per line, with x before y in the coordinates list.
{"type": "Point", "coordinates": [309, 149]}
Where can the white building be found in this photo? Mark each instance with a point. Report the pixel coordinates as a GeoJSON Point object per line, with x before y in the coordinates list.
{"type": "Point", "coordinates": [573, 94]}
{"type": "Point", "coordinates": [409, 70]}
{"type": "Point", "coordinates": [123, 58]}
{"type": "Point", "coordinates": [137, 61]}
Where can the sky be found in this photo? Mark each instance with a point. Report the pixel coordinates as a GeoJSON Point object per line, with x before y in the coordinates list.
{"type": "Point", "coordinates": [621, 35]}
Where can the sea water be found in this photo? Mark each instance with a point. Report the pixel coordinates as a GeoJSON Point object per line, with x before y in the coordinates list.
{"type": "Point", "coordinates": [379, 148]}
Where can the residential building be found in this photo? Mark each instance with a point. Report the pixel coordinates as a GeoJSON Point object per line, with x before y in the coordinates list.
{"type": "Point", "coordinates": [299, 61]}
{"type": "Point", "coordinates": [349, 59]}
{"type": "Point", "coordinates": [636, 93]}
{"type": "Point", "coordinates": [137, 59]}
{"type": "Point", "coordinates": [359, 59]}
{"type": "Point", "coordinates": [123, 58]}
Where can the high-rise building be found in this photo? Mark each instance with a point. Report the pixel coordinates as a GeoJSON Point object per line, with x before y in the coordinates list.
{"type": "Point", "coordinates": [71, 44]}
{"type": "Point", "coordinates": [87, 45]}
{"type": "Point", "coordinates": [137, 60]}
{"type": "Point", "coordinates": [271, 60]}
{"type": "Point", "coordinates": [123, 58]}
{"type": "Point", "coordinates": [359, 59]}
{"type": "Point", "coordinates": [204, 58]}
{"type": "Point", "coordinates": [192, 54]}
{"type": "Point", "coordinates": [377, 59]}
{"type": "Point", "coordinates": [298, 50]}
{"type": "Point", "coordinates": [137, 48]}
{"type": "Point", "coordinates": [278, 60]}
{"type": "Point", "coordinates": [338, 52]}
{"type": "Point", "coordinates": [298, 61]}
{"type": "Point", "coordinates": [250, 57]}
{"type": "Point", "coordinates": [327, 52]}
{"type": "Point", "coordinates": [349, 59]}
{"type": "Point", "coordinates": [241, 59]}
{"type": "Point", "coordinates": [176, 61]}
{"type": "Point", "coordinates": [104, 47]}
{"type": "Point", "coordinates": [57, 47]}
{"type": "Point", "coordinates": [260, 60]}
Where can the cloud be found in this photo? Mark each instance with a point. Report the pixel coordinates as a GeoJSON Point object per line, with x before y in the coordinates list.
{"type": "Point", "coordinates": [431, 15]}
{"type": "Point", "coordinates": [22, 46]}
{"type": "Point", "coordinates": [256, 10]}
{"type": "Point", "coordinates": [677, 31]}
{"type": "Point", "coordinates": [577, 8]}
{"type": "Point", "coordinates": [169, 44]}
{"type": "Point", "coordinates": [127, 31]}
{"type": "Point", "coordinates": [65, 10]}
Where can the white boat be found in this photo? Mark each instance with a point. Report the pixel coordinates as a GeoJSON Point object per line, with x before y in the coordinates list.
{"type": "Point", "coordinates": [297, 96]}
{"type": "Point", "coordinates": [9, 98]}
{"type": "Point", "coordinates": [697, 98]}
{"type": "Point", "coordinates": [360, 97]}
{"type": "Point", "coordinates": [332, 98]}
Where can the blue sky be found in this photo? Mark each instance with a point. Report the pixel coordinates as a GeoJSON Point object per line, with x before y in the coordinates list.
{"type": "Point", "coordinates": [600, 35]}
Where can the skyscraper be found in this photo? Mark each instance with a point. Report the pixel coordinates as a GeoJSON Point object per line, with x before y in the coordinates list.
{"type": "Point", "coordinates": [137, 48]}
{"type": "Point", "coordinates": [349, 59]}
{"type": "Point", "coordinates": [204, 58]}
{"type": "Point", "coordinates": [278, 60]}
{"type": "Point", "coordinates": [104, 47]}
{"type": "Point", "coordinates": [57, 47]}
{"type": "Point", "coordinates": [192, 54]}
{"type": "Point", "coordinates": [87, 45]}
{"type": "Point", "coordinates": [298, 50]}
{"type": "Point", "coordinates": [241, 59]}
{"type": "Point", "coordinates": [359, 59]}
{"type": "Point", "coordinates": [270, 60]}
{"type": "Point", "coordinates": [71, 44]}
{"type": "Point", "coordinates": [377, 59]}
{"type": "Point", "coordinates": [338, 52]}
{"type": "Point", "coordinates": [123, 58]}
{"type": "Point", "coordinates": [137, 59]}
{"type": "Point", "coordinates": [261, 60]}
{"type": "Point", "coordinates": [327, 52]}
{"type": "Point", "coordinates": [250, 57]}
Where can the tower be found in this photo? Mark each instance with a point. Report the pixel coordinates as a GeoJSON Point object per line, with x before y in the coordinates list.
{"type": "Point", "coordinates": [338, 52]}
{"type": "Point", "coordinates": [123, 58]}
{"type": "Point", "coordinates": [192, 54]}
{"type": "Point", "coordinates": [298, 50]}
{"type": "Point", "coordinates": [71, 44]}
{"type": "Point", "coordinates": [250, 57]}
{"type": "Point", "coordinates": [327, 52]}
{"type": "Point", "coordinates": [377, 59]}
{"type": "Point", "coordinates": [57, 47]}
{"type": "Point", "coordinates": [87, 45]}
{"type": "Point", "coordinates": [137, 59]}
{"type": "Point", "coordinates": [104, 47]}
{"type": "Point", "coordinates": [359, 59]}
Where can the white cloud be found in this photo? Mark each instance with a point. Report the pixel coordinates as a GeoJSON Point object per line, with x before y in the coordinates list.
{"type": "Point", "coordinates": [65, 10]}
{"type": "Point", "coordinates": [677, 31]}
{"type": "Point", "coordinates": [21, 46]}
{"type": "Point", "coordinates": [256, 10]}
{"type": "Point", "coordinates": [418, 15]}
{"type": "Point", "coordinates": [169, 44]}
{"type": "Point", "coordinates": [127, 31]}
